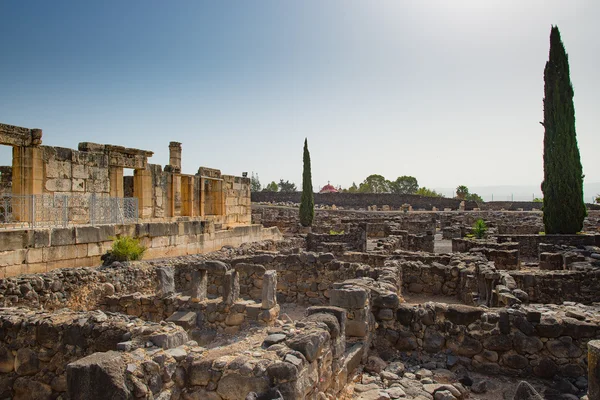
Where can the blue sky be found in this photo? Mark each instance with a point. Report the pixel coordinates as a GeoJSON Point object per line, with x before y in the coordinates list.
{"type": "Point", "coordinates": [447, 91]}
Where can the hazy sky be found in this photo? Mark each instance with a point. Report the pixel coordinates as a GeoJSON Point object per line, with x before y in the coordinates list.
{"type": "Point", "coordinates": [447, 91]}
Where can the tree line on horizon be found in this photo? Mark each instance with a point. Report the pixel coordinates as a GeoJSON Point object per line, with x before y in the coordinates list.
{"type": "Point", "coordinates": [372, 184]}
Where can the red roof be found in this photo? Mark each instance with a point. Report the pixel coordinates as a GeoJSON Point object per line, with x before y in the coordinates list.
{"type": "Point", "coordinates": [328, 189]}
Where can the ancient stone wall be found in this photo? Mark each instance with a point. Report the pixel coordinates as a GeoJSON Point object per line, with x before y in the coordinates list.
{"type": "Point", "coordinates": [41, 250]}
{"type": "Point", "coordinates": [511, 205]}
{"type": "Point", "coordinates": [460, 245]}
{"type": "Point", "coordinates": [5, 179]}
{"type": "Point", "coordinates": [529, 244]}
{"type": "Point", "coordinates": [355, 240]}
{"type": "Point", "coordinates": [304, 278]}
{"type": "Point", "coordinates": [364, 200]}
{"type": "Point", "coordinates": [81, 178]}
{"type": "Point", "coordinates": [302, 360]}
{"type": "Point", "coordinates": [434, 278]}
{"type": "Point", "coordinates": [513, 342]}
{"type": "Point", "coordinates": [36, 346]}
{"type": "Point", "coordinates": [555, 287]}
{"type": "Point", "coordinates": [77, 288]}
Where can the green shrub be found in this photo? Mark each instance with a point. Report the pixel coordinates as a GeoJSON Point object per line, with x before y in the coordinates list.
{"type": "Point", "coordinates": [479, 228]}
{"type": "Point", "coordinates": [334, 232]}
{"type": "Point", "coordinates": [126, 248]}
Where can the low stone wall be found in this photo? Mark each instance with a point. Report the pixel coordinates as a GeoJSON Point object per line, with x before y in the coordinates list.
{"type": "Point", "coordinates": [420, 242]}
{"type": "Point", "coordinates": [511, 205]}
{"type": "Point", "coordinates": [303, 278]}
{"type": "Point", "coordinates": [76, 288]}
{"type": "Point", "coordinates": [528, 244]}
{"type": "Point", "coordinates": [297, 361]}
{"type": "Point", "coordinates": [555, 287]}
{"type": "Point", "coordinates": [434, 278]}
{"type": "Point", "coordinates": [364, 200]}
{"type": "Point", "coordinates": [513, 342]}
{"type": "Point", "coordinates": [513, 229]}
{"type": "Point", "coordinates": [42, 250]}
{"type": "Point", "coordinates": [355, 240]}
{"type": "Point", "coordinates": [36, 346]}
{"type": "Point", "coordinates": [464, 245]}
{"type": "Point", "coordinates": [209, 314]}
{"type": "Point", "coordinates": [503, 259]}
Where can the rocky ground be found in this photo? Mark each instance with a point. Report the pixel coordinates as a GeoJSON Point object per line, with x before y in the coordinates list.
{"type": "Point", "coordinates": [423, 377]}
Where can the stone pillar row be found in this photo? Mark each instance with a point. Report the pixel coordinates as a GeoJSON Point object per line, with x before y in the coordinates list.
{"type": "Point", "coordinates": [231, 286]}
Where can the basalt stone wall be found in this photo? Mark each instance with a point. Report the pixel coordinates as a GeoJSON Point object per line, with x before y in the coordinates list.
{"type": "Point", "coordinates": [464, 245]}
{"type": "Point", "coordinates": [207, 314]}
{"type": "Point", "coordinates": [507, 341]}
{"type": "Point", "coordinates": [529, 244]}
{"type": "Point", "coordinates": [511, 205]}
{"type": "Point", "coordinates": [516, 229]}
{"type": "Point", "coordinates": [434, 278]}
{"type": "Point", "coordinates": [556, 287]}
{"type": "Point", "coordinates": [364, 200]}
{"type": "Point", "coordinates": [36, 346]}
{"type": "Point", "coordinates": [75, 288]}
{"type": "Point", "coordinates": [298, 361]}
{"type": "Point", "coordinates": [304, 278]}
{"type": "Point", "coordinates": [420, 242]}
{"type": "Point", "coordinates": [355, 240]}
{"type": "Point", "coordinates": [503, 259]}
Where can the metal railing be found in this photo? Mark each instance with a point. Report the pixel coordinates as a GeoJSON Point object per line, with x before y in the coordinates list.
{"type": "Point", "coordinates": [50, 210]}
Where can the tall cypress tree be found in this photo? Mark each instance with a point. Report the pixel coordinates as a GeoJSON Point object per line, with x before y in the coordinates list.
{"type": "Point", "coordinates": [307, 202]}
{"type": "Point", "coordinates": [564, 209]}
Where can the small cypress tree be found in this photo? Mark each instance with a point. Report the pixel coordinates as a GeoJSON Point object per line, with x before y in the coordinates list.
{"type": "Point", "coordinates": [564, 209]}
{"type": "Point", "coordinates": [307, 202]}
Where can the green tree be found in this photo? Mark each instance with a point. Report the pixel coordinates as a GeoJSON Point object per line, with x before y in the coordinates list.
{"type": "Point", "coordinates": [423, 191]}
{"type": "Point", "coordinates": [286, 187]}
{"type": "Point", "coordinates": [307, 201]}
{"type": "Point", "coordinates": [255, 183]}
{"type": "Point", "coordinates": [474, 197]}
{"type": "Point", "coordinates": [271, 187]}
{"type": "Point", "coordinates": [374, 184]}
{"type": "Point", "coordinates": [462, 192]}
{"type": "Point", "coordinates": [564, 209]}
{"type": "Point", "coordinates": [353, 188]}
{"type": "Point", "coordinates": [598, 198]}
{"type": "Point", "coordinates": [538, 200]}
{"type": "Point", "coordinates": [404, 185]}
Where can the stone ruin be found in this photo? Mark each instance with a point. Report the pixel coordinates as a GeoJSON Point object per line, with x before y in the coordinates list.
{"type": "Point", "coordinates": [368, 305]}
{"type": "Point", "coordinates": [61, 207]}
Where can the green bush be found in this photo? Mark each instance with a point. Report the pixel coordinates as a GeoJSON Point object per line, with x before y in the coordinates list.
{"type": "Point", "coordinates": [334, 232]}
{"type": "Point", "coordinates": [479, 228]}
{"type": "Point", "coordinates": [126, 248]}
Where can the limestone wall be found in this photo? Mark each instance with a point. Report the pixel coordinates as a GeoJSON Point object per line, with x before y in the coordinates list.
{"type": "Point", "coordinates": [41, 250]}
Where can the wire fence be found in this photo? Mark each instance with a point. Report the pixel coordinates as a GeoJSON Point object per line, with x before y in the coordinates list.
{"type": "Point", "coordinates": [58, 210]}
